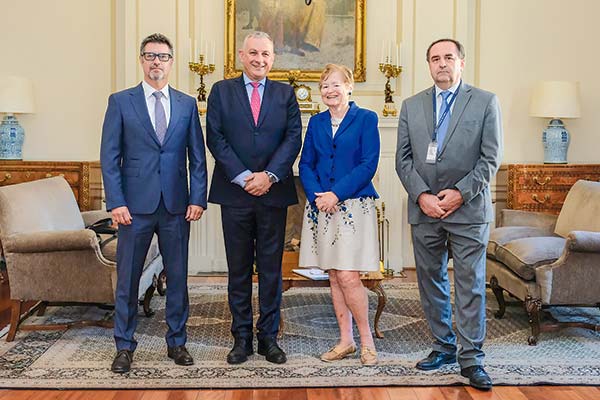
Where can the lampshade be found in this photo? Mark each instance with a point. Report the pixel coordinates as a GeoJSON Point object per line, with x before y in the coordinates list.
{"type": "Point", "coordinates": [555, 99]}
{"type": "Point", "coordinates": [16, 95]}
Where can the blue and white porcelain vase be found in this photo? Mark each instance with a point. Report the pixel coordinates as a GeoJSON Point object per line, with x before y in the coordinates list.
{"type": "Point", "coordinates": [556, 142]}
{"type": "Point", "coordinates": [12, 136]}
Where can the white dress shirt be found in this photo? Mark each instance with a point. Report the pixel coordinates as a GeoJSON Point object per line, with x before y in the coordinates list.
{"type": "Point", "coordinates": [151, 101]}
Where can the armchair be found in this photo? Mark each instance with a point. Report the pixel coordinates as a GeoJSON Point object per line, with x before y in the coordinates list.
{"type": "Point", "coordinates": [52, 259]}
{"type": "Point", "coordinates": [546, 260]}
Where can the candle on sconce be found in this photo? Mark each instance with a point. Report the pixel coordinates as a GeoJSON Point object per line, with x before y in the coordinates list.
{"type": "Point", "coordinates": [389, 53]}
{"type": "Point", "coordinates": [382, 51]}
{"type": "Point", "coordinates": [397, 56]}
{"type": "Point", "coordinates": [213, 53]}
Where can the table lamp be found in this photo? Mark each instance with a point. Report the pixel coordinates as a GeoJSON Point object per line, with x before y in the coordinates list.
{"type": "Point", "coordinates": [16, 97]}
{"type": "Point", "coordinates": [555, 100]}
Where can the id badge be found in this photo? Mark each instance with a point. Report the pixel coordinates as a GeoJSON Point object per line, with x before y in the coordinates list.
{"type": "Point", "coordinates": [431, 152]}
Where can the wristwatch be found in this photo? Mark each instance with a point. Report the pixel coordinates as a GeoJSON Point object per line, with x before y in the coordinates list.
{"type": "Point", "coordinates": [272, 177]}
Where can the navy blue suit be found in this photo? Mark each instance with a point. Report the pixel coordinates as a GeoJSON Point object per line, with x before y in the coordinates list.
{"type": "Point", "coordinates": [345, 163]}
{"type": "Point", "coordinates": [152, 181]}
{"type": "Point", "coordinates": [253, 225]}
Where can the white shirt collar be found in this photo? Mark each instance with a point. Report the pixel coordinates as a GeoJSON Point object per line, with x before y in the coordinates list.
{"type": "Point", "coordinates": [452, 89]}
{"type": "Point", "coordinates": [148, 90]}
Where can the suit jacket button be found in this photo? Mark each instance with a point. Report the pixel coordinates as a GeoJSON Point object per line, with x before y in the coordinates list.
{"type": "Point", "coordinates": [331, 179]}
{"type": "Point", "coordinates": [158, 171]}
{"type": "Point", "coordinates": [331, 156]}
{"type": "Point", "coordinates": [335, 146]}
{"type": "Point", "coordinates": [256, 133]}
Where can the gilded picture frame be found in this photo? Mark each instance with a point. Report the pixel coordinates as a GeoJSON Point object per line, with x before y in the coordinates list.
{"type": "Point", "coordinates": [306, 37]}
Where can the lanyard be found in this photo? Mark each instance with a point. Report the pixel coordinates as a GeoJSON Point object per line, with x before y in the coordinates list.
{"type": "Point", "coordinates": [437, 124]}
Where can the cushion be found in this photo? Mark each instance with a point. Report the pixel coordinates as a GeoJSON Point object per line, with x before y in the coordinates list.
{"type": "Point", "coordinates": [524, 255]}
{"type": "Point", "coordinates": [581, 209]}
{"type": "Point", "coordinates": [505, 234]}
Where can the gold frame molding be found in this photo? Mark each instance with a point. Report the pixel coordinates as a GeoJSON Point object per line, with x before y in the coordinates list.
{"type": "Point", "coordinates": [360, 69]}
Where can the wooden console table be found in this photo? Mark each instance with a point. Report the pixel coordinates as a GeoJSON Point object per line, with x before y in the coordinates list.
{"type": "Point", "coordinates": [84, 177]}
{"type": "Point", "coordinates": [543, 187]}
{"type": "Point", "coordinates": [371, 281]}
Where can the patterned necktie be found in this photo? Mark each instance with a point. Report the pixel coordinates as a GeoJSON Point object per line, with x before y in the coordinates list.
{"type": "Point", "coordinates": [255, 101]}
{"type": "Point", "coordinates": [160, 119]}
{"type": "Point", "coordinates": [441, 134]}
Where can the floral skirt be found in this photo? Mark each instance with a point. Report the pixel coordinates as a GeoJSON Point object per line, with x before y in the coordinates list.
{"type": "Point", "coordinates": [344, 240]}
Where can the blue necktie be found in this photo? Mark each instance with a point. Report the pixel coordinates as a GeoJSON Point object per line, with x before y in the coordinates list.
{"type": "Point", "coordinates": [441, 134]}
{"type": "Point", "coordinates": [160, 119]}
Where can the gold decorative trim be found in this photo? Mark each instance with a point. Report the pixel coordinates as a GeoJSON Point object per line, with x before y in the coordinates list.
{"type": "Point", "coordinates": [85, 187]}
{"type": "Point", "coordinates": [360, 69]}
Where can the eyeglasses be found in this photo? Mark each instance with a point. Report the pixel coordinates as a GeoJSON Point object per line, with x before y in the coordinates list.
{"type": "Point", "coordinates": [164, 57]}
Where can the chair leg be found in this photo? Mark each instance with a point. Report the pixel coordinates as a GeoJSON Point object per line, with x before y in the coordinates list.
{"type": "Point", "coordinates": [148, 312]}
{"type": "Point", "coordinates": [161, 285]}
{"type": "Point", "coordinates": [533, 308]}
{"type": "Point", "coordinates": [42, 308]}
{"type": "Point", "coordinates": [499, 293]}
{"type": "Point", "coordinates": [15, 316]}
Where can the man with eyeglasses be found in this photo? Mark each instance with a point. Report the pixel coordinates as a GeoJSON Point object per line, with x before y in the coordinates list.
{"type": "Point", "coordinates": [150, 138]}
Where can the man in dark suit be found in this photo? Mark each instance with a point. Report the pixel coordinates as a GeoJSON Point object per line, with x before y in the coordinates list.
{"type": "Point", "coordinates": [449, 148]}
{"type": "Point", "coordinates": [254, 132]}
{"type": "Point", "coordinates": [151, 134]}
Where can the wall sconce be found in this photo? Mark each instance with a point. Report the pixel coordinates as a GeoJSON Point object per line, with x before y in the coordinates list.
{"type": "Point", "coordinates": [16, 97]}
{"type": "Point", "coordinates": [555, 100]}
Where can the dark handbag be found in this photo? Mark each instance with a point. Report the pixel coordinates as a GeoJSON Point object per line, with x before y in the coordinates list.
{"type": "Point", "coordinates": [104, 227]}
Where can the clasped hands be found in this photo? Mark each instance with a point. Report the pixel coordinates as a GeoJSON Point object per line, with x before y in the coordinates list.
{"type": "Point", "coordinates": [441, 205]}
{"type": "Point", "coordinates": [326, 201]}
{"type": "Point", "coordinates": [257, 183]}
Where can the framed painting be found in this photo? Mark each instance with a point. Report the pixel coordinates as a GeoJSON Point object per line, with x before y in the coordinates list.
{"type": "Point", "coordinates": [307, 34]}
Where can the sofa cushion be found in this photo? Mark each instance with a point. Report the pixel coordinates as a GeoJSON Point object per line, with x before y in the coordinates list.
{"type": "Point", "coordinates": [110, 250]}
{"type": "Point", "coordinates": [524, 255]}
{"type": "Point", "coordinates": [581, 209]}
{"type": "Point", "coordinates": [501, 236]}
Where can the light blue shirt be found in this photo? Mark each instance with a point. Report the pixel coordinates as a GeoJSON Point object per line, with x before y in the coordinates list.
{"type": "Point", "coordinates": [438, 99]}
{"type": "Point", "coordinates": [239, 180]}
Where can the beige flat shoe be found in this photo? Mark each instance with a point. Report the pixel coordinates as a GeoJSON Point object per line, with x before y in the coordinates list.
{"type": "Point", "coordinates": [338, 353]}
{"type": "Point", "coordinates": [368, 356]}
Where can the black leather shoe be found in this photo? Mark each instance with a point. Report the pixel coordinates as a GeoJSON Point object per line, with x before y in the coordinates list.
{"type": "Point", "coordinates": [478, 378]}
{"type": "Point", "coordinates": [180, 355]}
{"type": "Point", "coordinates": [242, 348]}
{"type": "Point", "coordinates": [268, 347]}
{"type": "Point", "coordinates": [435, 359]}
{"type": "Point", "coordinates": [122, 362]}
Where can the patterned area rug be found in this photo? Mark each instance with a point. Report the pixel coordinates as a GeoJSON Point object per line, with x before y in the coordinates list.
{"type": "Point", "coordinates": [80, 358]}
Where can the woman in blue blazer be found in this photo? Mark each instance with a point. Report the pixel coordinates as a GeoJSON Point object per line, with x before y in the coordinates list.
{"type": "Point", "coordinates": [339, 231]}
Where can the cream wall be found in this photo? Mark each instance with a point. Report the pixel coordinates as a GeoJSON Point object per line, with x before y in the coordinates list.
{"type": "Point", "coordinates": [64, 47]}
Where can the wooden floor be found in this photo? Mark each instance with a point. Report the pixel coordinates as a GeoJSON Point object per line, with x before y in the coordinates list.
{"type": "Point", "coordinates": [363, 393]}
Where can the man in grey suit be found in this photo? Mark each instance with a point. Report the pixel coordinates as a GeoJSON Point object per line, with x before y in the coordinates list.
{"type": "Point", "coordinates": [449, 147]}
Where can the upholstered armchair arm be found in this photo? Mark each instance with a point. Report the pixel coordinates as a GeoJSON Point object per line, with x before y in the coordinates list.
{"type": "Point", "coordinates": [527, 218]}
{"type": "Point", "coordinates": [89, 217]}
{"type": "Point", "coordinates": [43, 242]}
{"type": "Point", "coordinates": [572, 279]}
{"type": "Point", "coordinates": [584, 241]}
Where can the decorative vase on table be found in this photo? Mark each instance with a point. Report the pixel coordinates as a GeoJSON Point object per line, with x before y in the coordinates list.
{"type": "Point", "coordinates": [12, 137]}
{"type": "Point", "coordinates": [556, 142]}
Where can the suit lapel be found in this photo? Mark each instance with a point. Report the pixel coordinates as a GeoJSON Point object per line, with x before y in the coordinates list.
{"type": "Point", "coordinates": [265, 104]}
{"type": "Point", "coordinates": [350, 115]}
{"type": "Point", "coordinates": [139, 104]}
{"type": "Point", "coordinates": [462, 99]}
{"type": "Point", "coordinates": [175, 113]}
{"type": "Point", "coordinates": [427, 102]}
{"type": "Point", "coordinates": [242, 96]}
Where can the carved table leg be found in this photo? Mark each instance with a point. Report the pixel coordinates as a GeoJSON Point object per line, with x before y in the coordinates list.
{"type": "Point", "coordinates": [381, 301]}
{"type": "Point", "coordinates": [499, 293]}
{"type": "Point", "coordinates": [533, 308]}
{"type": "Point", "coordinates": [15, 316]}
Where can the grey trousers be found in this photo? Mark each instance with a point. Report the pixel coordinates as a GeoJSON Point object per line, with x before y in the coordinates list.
{"type": "Point", "coordinates": [468, 244]}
